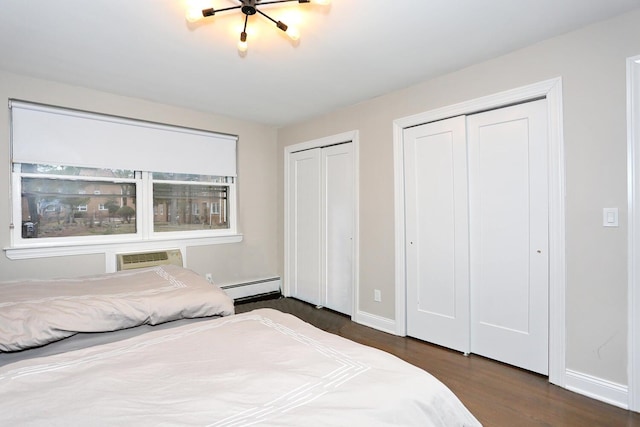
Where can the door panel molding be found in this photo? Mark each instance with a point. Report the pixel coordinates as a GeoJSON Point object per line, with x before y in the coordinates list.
{"type": "Point", "coordinates": [552, 91]}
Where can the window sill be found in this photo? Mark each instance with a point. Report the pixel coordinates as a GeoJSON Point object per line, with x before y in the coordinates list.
{"type": "Point", "coordinates": [44, 251]}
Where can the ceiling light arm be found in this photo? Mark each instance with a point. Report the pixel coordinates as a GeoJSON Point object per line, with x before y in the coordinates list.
{"type": "Point", "coordinates": [246, 19]}
{"type": "Point", "coordinates": [243, 35]}
{"type": "Point", "coordinates": [283, 1]}
{"type": "Point", "coordinates": [211, 11]}
{"type": "Point", "coordinates": [279, 24]}
{"type": "Point", "coordinates": [242, 44]}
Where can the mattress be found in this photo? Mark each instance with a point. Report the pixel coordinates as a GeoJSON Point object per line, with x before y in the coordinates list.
{"type": "Point", "coordinates": [258, 368]}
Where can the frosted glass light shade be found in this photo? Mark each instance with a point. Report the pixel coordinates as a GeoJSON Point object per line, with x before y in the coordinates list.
{"type": "Point", "coordinates": [293, 33]}
{"type": "Point", "coordinates": [194, 15]}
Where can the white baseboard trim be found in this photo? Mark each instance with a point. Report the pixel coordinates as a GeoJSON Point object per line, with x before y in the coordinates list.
{"type": "Point", "coordinates": [597, 388]}
{"type": "Point", "coordinates": [377, 322]}
{"type": "Point", "coordinates": [252, 288]}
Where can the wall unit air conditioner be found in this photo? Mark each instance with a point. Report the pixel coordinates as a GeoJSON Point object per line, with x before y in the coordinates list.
{"type": "Point", "coordinates": [131, 261]}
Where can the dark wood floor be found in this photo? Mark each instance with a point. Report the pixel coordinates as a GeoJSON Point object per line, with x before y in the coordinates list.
{"type": "Point", "coordinates": [497, 394]}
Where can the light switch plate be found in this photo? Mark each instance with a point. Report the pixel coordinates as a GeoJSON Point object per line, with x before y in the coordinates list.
{"type": "Point", "coordinates": [610, 217]}
{"type": "Point", "coordinates": [377, 295]}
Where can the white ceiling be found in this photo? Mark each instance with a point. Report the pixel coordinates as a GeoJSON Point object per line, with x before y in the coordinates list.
{"type": "Point", "coordinates": [350, 51]}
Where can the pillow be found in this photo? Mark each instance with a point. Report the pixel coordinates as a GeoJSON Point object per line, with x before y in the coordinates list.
{"type": "Point", "coordinates": [37, 312]}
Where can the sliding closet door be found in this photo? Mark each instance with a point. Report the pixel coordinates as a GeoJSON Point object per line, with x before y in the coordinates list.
{"type": "Point", "coordinates": [509, 235]}
{"type": "Point", "coordinates": [477, 234]}
{"type": "Point", "coordinates": [338, 227]}
{"type": "Point", "coordinates": [305, 247]}
{"type": "Point", "coordinates": [321, 226]}
{"type": "Point", "coordinates": [437, 250]}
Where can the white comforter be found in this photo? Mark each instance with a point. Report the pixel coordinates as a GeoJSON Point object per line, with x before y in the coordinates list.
{"type": "Point", "coordinates": [257, 368]}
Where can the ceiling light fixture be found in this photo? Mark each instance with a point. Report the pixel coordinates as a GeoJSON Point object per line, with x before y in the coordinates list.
{"type": "Point", "coordinates": [249, 8]}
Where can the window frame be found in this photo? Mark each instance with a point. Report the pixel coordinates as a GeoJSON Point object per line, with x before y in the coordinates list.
{"type": "Point", "coordinates": [150, 234]}
{"type": "Point", "coordinates": [229, 183]}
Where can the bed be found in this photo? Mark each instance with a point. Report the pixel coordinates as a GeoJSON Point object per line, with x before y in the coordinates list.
{"type": "Point", "coordinates": [162, 346]}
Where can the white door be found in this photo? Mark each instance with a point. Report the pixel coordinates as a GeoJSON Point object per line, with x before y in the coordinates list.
{"type": "Point", "coordinates": [321, 226]}
{"type": "Point", "coordinates": [476, 206]}
{"type": "Point", "coordinates": [508, 209]}
{"type": "Point", "coordinates": [305, 187]}
{"type": "Point", "coordinates": [437, 250]}
{"type": "Point", "coordinates": [338, 227]}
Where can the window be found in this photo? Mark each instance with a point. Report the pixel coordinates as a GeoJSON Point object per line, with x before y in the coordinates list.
{"type": "Point", "coordinates": [177, 199]}
{"type": "Point", "coordinates": [87, 179]}
{"type": "Point", "coordinates": [55, 199]}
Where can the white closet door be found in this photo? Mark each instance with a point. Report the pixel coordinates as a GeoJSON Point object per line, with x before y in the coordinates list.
{"type": "Point", "coordinates": [338, 227]}
{"type": "Point", "coordinates": [305, 246]}
{"type": "Point", "coordinates": [437, 252]}
{"type": "Point", "coordinates": [508, 187]}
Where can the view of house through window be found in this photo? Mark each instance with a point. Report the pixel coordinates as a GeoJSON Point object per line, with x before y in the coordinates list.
{"type": "Point", "coordinates": [64, 201]}
{"type": "Point", "coordinates": [189, 202]}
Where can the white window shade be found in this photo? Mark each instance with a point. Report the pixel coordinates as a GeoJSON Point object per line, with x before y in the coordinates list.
{"type": "Point", "coordinates": [49, 135]}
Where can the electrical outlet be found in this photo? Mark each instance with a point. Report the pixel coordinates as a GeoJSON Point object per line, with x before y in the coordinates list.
{"type": "Point", "coordinates": [377, 295]}
{"type": "Point", "coordinates": [209, 278]}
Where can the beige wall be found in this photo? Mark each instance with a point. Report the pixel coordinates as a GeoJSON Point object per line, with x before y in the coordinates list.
{"type": "Point", "coordinates": [591, 63]}
{"type": "Point", "coordinates": [255, 257]}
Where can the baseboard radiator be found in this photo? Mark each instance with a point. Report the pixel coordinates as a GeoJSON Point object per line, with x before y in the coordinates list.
{"type": "Point", "coordinates": [252, 288]}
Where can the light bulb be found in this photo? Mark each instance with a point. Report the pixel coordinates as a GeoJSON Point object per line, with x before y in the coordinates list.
{"type": "Point", "coordinates": [293, 33]}
{"type": "Point", "coordinates": [194, 15]}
